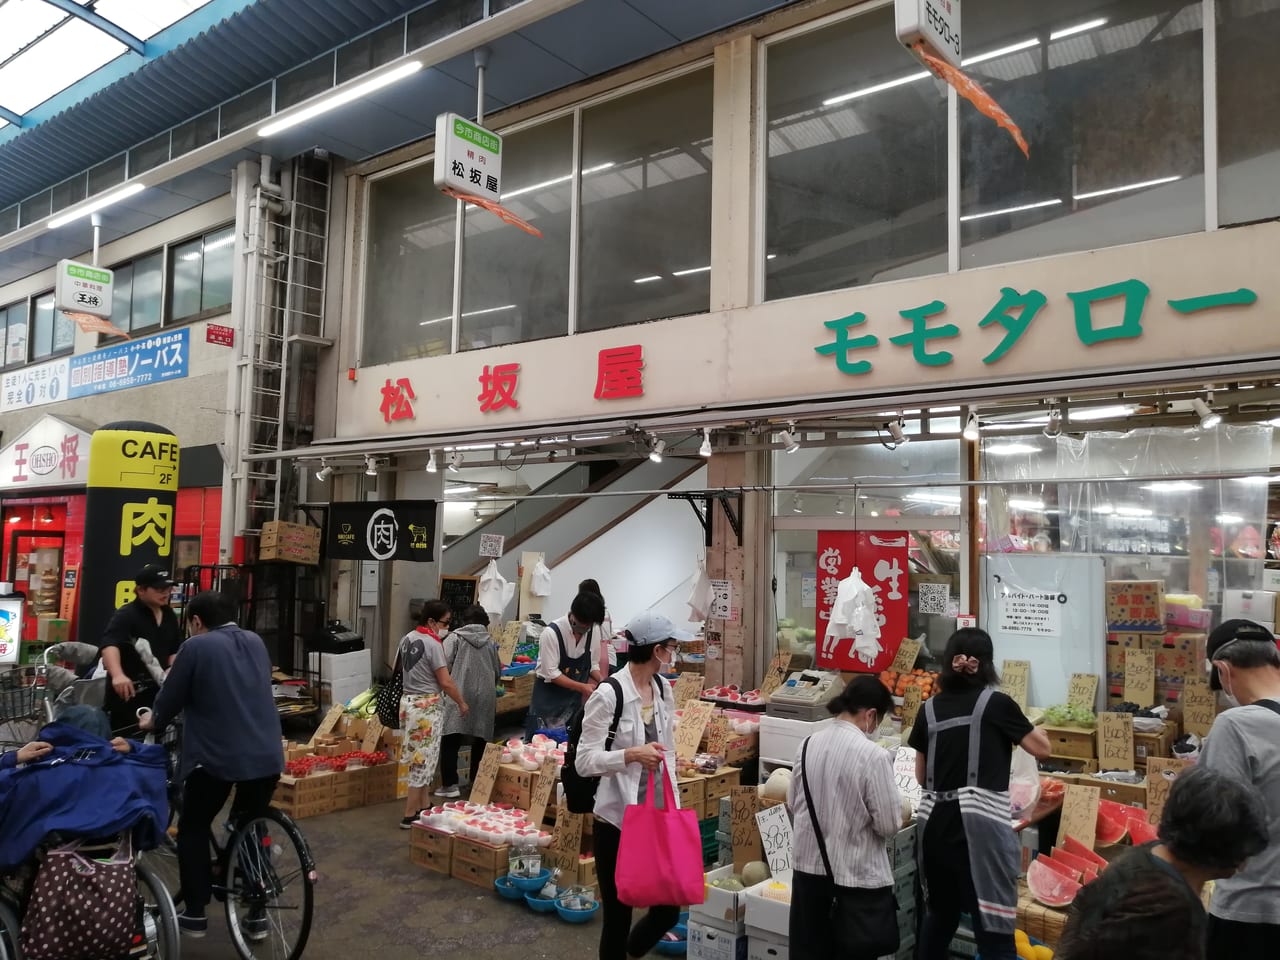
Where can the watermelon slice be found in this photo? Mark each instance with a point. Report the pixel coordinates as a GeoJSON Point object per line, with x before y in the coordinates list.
{"type": "Point", "coordinates": [1049, 886]}
{"type": "Point", "coordinates": [1073, 861]}
{"type": "Point", "coordinates": [1110, 830]}
{"type": "Point", "coordinates": [1072, 845]}
{"type": "Point", "coordinates": [1062, 866]}
{"type": "Point", "coordinates": [1090, 875]}
{"type": "Point", "coordinates": [1119, 811]}
{"type": "Point", "coordinates": [1140, 831]}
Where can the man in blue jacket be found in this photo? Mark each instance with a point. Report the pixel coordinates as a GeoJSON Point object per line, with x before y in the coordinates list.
{"type": "Point", "coordinates": [221, 683]}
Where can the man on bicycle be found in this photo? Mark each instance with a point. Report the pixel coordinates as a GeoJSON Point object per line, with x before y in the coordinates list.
{"type": "Point", "coordinates": [221, 683]}
{"type": "Point", "coordinates": [131, 680]}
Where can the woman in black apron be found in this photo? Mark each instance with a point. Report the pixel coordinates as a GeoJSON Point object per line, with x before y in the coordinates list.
{"type": "Point", "coordinates": [554, 702]}
{"type": "Point", "coordinates": [965, 844]}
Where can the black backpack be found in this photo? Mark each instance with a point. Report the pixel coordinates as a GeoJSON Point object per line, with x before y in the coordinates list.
{"type": "Point", "coordinates": [580, 791]}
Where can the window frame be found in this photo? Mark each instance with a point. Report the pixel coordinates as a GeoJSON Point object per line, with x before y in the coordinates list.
{"type": "Point", "coordinates": [32, 359]}
{"type": "Point", "coordinates": [4, 342]}
{"type": "Point", "coordinates": [170, 249]}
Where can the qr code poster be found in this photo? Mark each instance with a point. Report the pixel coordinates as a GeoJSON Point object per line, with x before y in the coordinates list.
{"type": "Point", "coordinates": [491, 544]}
{"type": "Point", "coordinates": [934, 597]}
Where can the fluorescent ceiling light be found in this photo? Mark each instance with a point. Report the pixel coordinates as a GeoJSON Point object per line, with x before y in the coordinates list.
{"type": "Point", "coordinates": [1010, 449]}
{"type": "Point", "coordinates": [691, 270]}
{"type": "Point", "coordinates": [339, 99]}
{"type": "Point", "coordinates": [648, 279]}
{"type": "Point", "coordinates": [1002, 52]}
{"type": "Point", "coordinates": [771, 256]}
{"type": "Point", "coordinates": [945, 498]}
{"type": "Point", "coordinates": [555, 181]}
{"type": "Point", "coordinates": [995, 213]}
{"type": "Point", "coordinates": [1027, 504]}
{"type": "Point", "coordinates": [1103, 413]}
{"type": "Point", "coordinates": [461, 488]}
{"type": "Point", "coordinates": [1078, 28]}
{"type": "Point", "coordinates": [1104, 508]}
{"type": "Point", "coordinates": [1172, 486]}
{"type": "Point", "coordinates": [592, 436]}
{"type": "Point", "coordinates": [1272, 423]}
{"type": "Point", "coordinates": [93, 206]}
{"type": "Point", "coordinates": [1126, 188]}
{"type": "Point", "coordinates": [877, 88]}
{"type": "Point", "coordinates": [1258, 481]}
{"type": "Point", "coordinates": [1225, 518]}
{"type": "Point", "coordinates": [470, 313]}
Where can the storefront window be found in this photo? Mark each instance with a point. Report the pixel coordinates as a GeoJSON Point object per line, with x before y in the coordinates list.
{"type": "Point", "coordinates": [408, 295]}
{"type": "Point", "coordinates": [202, 273]}
{"type": "Point", "coordinates": [515, 287]}
{"type": "Point", "coordinates": [856, 184]}
{"type": "Point", "coordinates": [52, 331]}
{"type": "Point", "coordinates": [646, 205]}
{"type": "Point", "coordinates": [135, 304]}
{"type": "Point", "coordinates": [13, 334]}
{"type": "Point", "coordinates": [1248, 91]}
{"type": "Point", "coordinates": [1104, 168]}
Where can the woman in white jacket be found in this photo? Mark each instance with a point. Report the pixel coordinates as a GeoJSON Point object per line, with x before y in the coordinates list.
{"type": "Point", "coordinates": [644, 740]}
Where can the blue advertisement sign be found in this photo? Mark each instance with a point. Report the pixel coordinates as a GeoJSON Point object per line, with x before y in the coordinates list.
{"type": "Point", "coordinates": [133, 364]}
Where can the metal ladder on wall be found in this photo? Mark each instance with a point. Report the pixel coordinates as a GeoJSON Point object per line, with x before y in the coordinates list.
{"type": "Point", "coordinates": [286, 337]}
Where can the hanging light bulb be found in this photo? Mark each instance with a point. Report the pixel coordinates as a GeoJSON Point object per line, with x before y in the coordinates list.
{"type": "Point", "coordinates": [1054, 427]}
{"type": "Point", "coordinates": [657, 447]}
{"type": "Point", "coordinates": [1209, 418]}
{"type": "Point", "coordinates": [705, 449]}
{"type": "Point", "coordinates": [370, 466]}
{"type": "Point", "coordinates": [325, 472]}
{"type": "Point", "coordinates": [896, 431]}
{"type": "Point", "coordinates": [432, 465]}
{"type": "Point", "coordinates": [972, 431]}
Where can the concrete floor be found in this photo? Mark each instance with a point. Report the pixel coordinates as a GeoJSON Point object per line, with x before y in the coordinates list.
{"type": "Point", "coordinates": [372, 903]}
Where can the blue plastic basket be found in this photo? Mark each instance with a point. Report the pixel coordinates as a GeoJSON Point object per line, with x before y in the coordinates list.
{"type": "Point", "coordinates": [577, 916]}
{"type": "Point", "coordinates": [539, 905]}
{"type": "Point", "coordinates": [507, 889]}
{"type": "Point", "coordinates": [675, 948]}
{"type": "Point", "coordinates": [531, 884]}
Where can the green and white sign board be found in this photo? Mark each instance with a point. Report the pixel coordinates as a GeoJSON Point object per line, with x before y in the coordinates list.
{"type": "Point", "coordinates": [82, 288]}
{"type": "Point", "coordinates": [468, 157]}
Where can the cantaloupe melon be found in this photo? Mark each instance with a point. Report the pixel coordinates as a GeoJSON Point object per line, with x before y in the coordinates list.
{"type": "Point", "coordinates": [757, 871]}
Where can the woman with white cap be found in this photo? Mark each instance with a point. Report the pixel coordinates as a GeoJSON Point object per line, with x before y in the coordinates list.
{"type": "Point", "coordinates": [641, 746]}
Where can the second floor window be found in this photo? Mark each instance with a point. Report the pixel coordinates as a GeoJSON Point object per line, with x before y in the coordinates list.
{"type": "Point", "coordinates": [202, 274]}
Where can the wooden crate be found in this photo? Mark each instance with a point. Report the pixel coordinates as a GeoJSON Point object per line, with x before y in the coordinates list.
{"type": "Point", "coordinates": [1044, 923]}
{"type": "Point", "coordinates": [302, 797]}
{"type": "Point", "coordinates": [693, 794]}
{"type": "Point", "coordinates": [482, 854]}
{"type": "Point", "coordinates": [478, 876]}
{"type": "Point", "coordinates": [720, 784]}
{"type": "Point", "coordinates": [431, 849]}
{"type": "Point", "coordinates": [1075, 742]}
{"type": "Point", "coordinates": [518, 695]}
{"type": "Point", "coordinates": [380, 783]}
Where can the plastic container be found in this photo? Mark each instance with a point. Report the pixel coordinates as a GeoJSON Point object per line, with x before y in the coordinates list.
{"type": "Point", "coordinates": [508, 890]}
{"type": "Point", "coordinates": [538, 904]}
{"type": "Point", "coordinates": [570, 915]}
{"type": "Point", "coordinates": [532, 884]}
{"type": "Point", "coordinates": [675, 948]}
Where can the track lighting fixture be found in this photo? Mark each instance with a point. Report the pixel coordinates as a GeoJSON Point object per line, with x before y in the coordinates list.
{"type": "Point", "coordinates": [705, 449]}
{"type": "Point", "coordinates": [325, 472]}
{"type": "Point", "coordinates": [432, 464]}
{"type": "Point", "coordinates": [790, 442]}
{"type": "Point", "coordinates": [895, 430]}
{"type": "Point", "coordinates": [657, 447]}
{"type": "Point", "coordinates": [370, 466]}
{"type": "Point", "coordinates": [1054, 427]}
{"type": "Point", "coordinates": [798, 505]}
{"type": "Point", "coordinates": [972, 431]}
{"type": "Point", "coordinates": [1209, 418]}
{"type": "Point", "coordinates": [456, 460]}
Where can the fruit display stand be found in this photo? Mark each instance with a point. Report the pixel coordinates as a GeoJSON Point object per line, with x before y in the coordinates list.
{"type": "Point", "coordinates": [1044, 923]}
{"type": "Point", "coordinates": [517, 695]}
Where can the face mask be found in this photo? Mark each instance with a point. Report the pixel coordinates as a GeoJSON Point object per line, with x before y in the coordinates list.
{"type": "Point", "coordinates": [875, 727]}
{"type": "Point", "coordinates": [1227, 695]}
{"type": "Point", "coordinates": [661, 662]}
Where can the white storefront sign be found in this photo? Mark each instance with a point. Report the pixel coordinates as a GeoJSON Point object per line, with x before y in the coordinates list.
{"type": "Point", "coordinates": [83, 288]}
{"type": "Point", "coordinates": [936, 22]}
{"type": "Point", "coordinates": [468, 158]}
{"type": "Point", "coordinates": [36, 385]}
{"type": "Point", "coordinates": [49, 453]}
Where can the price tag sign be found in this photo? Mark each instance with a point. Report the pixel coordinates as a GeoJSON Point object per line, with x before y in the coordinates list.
{"type": "Point", "coordinates": [1115, 741]}
{"type": "Point", "coordinates": [911, 701]}
{"type": "Point", "coordinates": [1140, 677]}
{"type": "Point", "coordinates": [1199, 708]}
{"type": "Point", "coordinates": [1161, 772]}
{"type": "Point", "coordinates": [1015, 680]}
{"type": "Point", "coordinates": [745, 834]}
{"type": "Point", "coordinates": [904, 772]}
{"type": "Point", "coordinates": [778, 670]}
{"type": "Point", "coordinates": [692, 723]}
{"type": "Point", "coordinates": [688, 687]}
{"type": "Point", "coordinates": [566, 843]}
{"type": "Point", "coordinates": [1080, 814]}
{"type": "Point", "coordinates": [487, 775]}
{"type": "Point", "coordinates": [509, 640]}
{"type": "Point", "coordinates": [775, 835]}
{"type": "Point", "coordinates": [372, 734]}
{"type": "Point", "coordinates": [542, 792]}
{"type": "Point", "coordinates": [908, 653]}
{"type": "Point", "coordinates": [328, 724]}
{"type": "Point", "coordinates": [1083, 691]}
{"type": "Point", "coordinates": [718, 735]}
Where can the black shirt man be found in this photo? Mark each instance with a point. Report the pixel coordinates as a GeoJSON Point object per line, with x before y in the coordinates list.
{"type": "Point", "coordinates": [131, 672]}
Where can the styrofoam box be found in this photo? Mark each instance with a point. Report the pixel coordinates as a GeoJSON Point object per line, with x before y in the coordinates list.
{"type": "Point", "coordinates": [341, 666]}
{"type": "Point", "coordinates": [1257, 605]}
{"type": "Point", "coordinates": [767, 948]}
{"type": "Point", "coordinates": [770, 917]}
{"type": "Point", "coordinates": [709, 943]}
{"type": "Point", "coordinates": [340, 691]}
{"type": "Point", "coordinates": [722, 909]}
{"type": "Point", "coordinates": [780, 738]}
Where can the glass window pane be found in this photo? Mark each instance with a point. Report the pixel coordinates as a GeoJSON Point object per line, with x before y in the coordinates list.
{"type": "Point", "coordinates": [122, 296]}
{"type": "Point", "coordinates": [856, 182]}
{"type": "Point", "coordinates": [64, 332]}
{"type": "Point", "coordinates": [219, 251]}
{"type": "Point", "coordinates": [1248, 96]}
{"type": "Point", "coordinates": [1105, 168]}
{"type": "Point", "coordinates": [16, 342]}
{"type": "Point", "coordinates": [515, 287]}
{"type": "Point", "coordinates": [148, 275]}
{"type": "Point", "coordinates": [187, 259]}
{"type": "Point", "coordinates": [408, 298]}
{"type": "Point", "coordinates": [42, 328]}
{"type": "Point", "coordinates": [646, 205]}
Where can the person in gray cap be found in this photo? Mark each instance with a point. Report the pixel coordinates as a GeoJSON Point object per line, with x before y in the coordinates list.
{"type": "Point", "coordinates": [645, 739]}
{"type": "Point", "coordinates": [1244, 744]}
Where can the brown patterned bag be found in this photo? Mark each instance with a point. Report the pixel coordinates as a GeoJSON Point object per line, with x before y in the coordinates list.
{"type": "Point", "coordinates": [80, 909]}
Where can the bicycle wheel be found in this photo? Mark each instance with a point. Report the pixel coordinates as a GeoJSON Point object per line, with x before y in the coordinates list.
{"type": "Point", "coordinates": [159, 917]}
{"type": "Point", "coordinates": [163, 861]}
{"type": "Point", "coordinates": [269, 882]}
{"type": "Point", "coordinates": [10, 931]}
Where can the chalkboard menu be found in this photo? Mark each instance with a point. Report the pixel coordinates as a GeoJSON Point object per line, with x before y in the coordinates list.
{"type": "Point", "coordinates": [459, 593]}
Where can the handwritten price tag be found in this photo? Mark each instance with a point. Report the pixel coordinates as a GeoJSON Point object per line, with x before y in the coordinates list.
{"type": "Point", "coordinates": [510, 639]}
{"type": "Point", "coordinates": [487, 775]}
{"type": "Point", "coordinates": [904, 772]}
{"type": "Point", "coordinates": [1161, 772]}
{"type": "Point", "coordinates": [718, 735]}
{"type": "Point", "coordinates": [566, 845]}
{"type": "Point", "coordinates": [745, 833]}
{"type": "Point", "coordinates": [775, 834]}
{"type": "Point", "coordinates": [778, 670]}
{"type": "Point", "coordinates": [542, 792]}
{"type": "Point", "coordinates": [911, 700]}
{"type": "Point", "coordinates": [1015, 680]}
{"type": "Point", "coordinates": [688, 687]}
{"type": "Point", "coordinates": [1115, 741]}
{"type": "Point", "coordinates": [1140, 677]}
{"type": "Point", "coordinates": [692, 723]}
{"type": "Point", "coordinates": [1080, 814]}
{"type": "Point", "coordinates": [908, 653]}
{"type": "Point", "coordinates": [372, 734]}
{"type": "Point", "coordinates": [1083, 691]}
{"type": "Point", "coordinates": [328, 724]}
{"type": "Point", "coordinates": [1199, 708]}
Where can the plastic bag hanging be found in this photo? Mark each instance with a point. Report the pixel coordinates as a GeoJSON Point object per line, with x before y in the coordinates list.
{"type": "Point", "coordinates": [540, 580]}
{"type": "Point", "coordinates": [853, 615]}
{"type": "Point", "coordinates": [495, 592]}
{"type": "Point", "coordinates": [701, 594]}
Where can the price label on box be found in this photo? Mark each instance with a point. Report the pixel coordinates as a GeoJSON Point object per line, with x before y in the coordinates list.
{"type": "Point", "coordinates": [693, 721]}
{"type": "Point", "coordinates": [1115, 741]}
{"type": "Point", "coordinates": [1080, 814]}
{"type": "Point", "coordinates": [1015, 680]}
{"type": "Point", "coordinates": [1199, 708]}
{"type": "Point", "coordinates": [911, 700]}
{"type": "Point", "coordinates": [745, 835]}
{"type": "Point", "coordinates": [487, 775]}
{"type": "Point", "coordinates": [1161, 772]}
{"type": "Point", "coordinates": [1083, 691]}
{"type": "Point", "coordinates": [688, 687]}
{"type": "Point", "coordinates": [1140, 677]}
{"type": "Point", "coordinates": [908, 652]}
{"type": "Point", "coordinates": [775, 834]}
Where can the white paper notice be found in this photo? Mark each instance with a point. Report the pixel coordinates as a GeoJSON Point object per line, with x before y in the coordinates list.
{"type": "Point", "coordinates": [809, 591]}
{"type": "Point", "coordinates": [775, 833]}
{"type": "Point", "coordinates": [1031, 612]}
{"type": "Point", "coordinates": [722, 604]}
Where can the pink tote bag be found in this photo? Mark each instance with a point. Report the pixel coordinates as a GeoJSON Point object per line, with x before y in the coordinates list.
{"type": "Point", "coordinates": [660, 853]}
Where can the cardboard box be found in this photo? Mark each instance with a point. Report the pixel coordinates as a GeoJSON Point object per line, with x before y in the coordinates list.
{"type": "Point", "coordinates": [1176, 615]}
{"type": "Point", "coordinates": [901, 847]}
{"type": "Point", "coordinates": [431, 849]}
{"type": "Point", "coordinates": [723, 909]}
{"type": "Point", "coordinates": [477, 876]}
{"type": "Point", "coordinates": [53, 630]}
{"type": "Point", "coordinates": [1130, 793]}
{"type": "Point", "coordinates": [770, 917]}
{"type": "Point", "coordinates": [484, 855]}
{"type": "Point", "coordinates": [587, 876]}
{"type": "Point", "coordinates": [693, 794]}
{"type": "Point", "coordinates": [514, 785]}
{"type": "Point", "coordinates": [1153, 745]}
{"type": "Point", "coordinates": [709, 943]}
{"type": "Point", "coordinates": [380, 783]}
{"type": "Point", "coordinates": [1135, 606]}
{"type": "Point", "coordinates": [1074, 742]}
{"type": "Point", "coordinates": [289, 542]}
{"type": "Point", "coordinates": [760, 947]}
{"type": "Point", "coordinates": [719, 784]}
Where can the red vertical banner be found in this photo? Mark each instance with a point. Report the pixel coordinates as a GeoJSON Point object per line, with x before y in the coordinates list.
{"type": "Point", "coordinates": [881, 561]}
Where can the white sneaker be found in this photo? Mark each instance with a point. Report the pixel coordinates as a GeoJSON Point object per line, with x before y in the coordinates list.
{"type": "Point", "coordinates": [449, 793]}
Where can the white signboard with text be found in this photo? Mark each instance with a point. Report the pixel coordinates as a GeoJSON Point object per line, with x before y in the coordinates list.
{"type": "Point", "coordinates": [83, 288]}
{"type": "Point", "coordinates": [936, 22]}
{"type": "Point", "coordinates": [49, 453]}
{"type": "Point", "coordinates": [468, 158]}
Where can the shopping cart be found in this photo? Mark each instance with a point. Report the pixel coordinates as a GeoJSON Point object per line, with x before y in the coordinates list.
{"type": "Point", "coordinates": [31, 696]}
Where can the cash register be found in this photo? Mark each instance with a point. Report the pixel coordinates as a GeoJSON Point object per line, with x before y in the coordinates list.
{"type": "Point", "coordinates": [804, 695]}
{"type": "Point", "coordinates": [337, 637]}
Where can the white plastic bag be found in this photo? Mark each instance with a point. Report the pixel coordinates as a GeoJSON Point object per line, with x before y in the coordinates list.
{"type": "Point", "coordinates": [1024, 784]}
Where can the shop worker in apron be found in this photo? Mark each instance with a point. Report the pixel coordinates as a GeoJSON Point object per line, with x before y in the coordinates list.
{"type": "Point", "coordinates": [969, 855]}
{"type": "Point", "coordinates": [568, 665]}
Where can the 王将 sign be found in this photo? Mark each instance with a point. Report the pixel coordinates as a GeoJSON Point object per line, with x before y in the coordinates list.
{"type": "Point", "coordinates": [468, 158]}
{"type": "Point", "coordinates": [49, 453]}
{"type": "Point", "coordinates": [83, 288]}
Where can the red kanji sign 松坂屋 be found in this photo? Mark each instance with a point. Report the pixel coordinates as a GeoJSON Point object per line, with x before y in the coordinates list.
{"type": "Point", "coordinates": [498, 387]}
{"type": "Point", "coordinates": [397, 400]}
{"type": "Point", "coordinates": [620, 373]}
{"type": "Point", "coordinates": [881, 560]}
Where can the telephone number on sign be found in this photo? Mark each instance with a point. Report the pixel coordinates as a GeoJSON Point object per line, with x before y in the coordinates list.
{"type": "Point", "coordinates": [942, 28]}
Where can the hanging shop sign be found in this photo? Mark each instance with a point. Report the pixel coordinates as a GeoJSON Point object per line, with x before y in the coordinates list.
{"type": "Point", "coordinates": [134, 364]}
{"type": "Point", "coordinates": [36, 385]}
{"type": "Point", "coordinates": [49, 453]}
{"type": "Point", "coordinates": [129, 516]}
{"type": "Point", "coordinates": [382, 530]}
{"type": "Point", "coordinates": [468, 158]}
{"type": "Point", "coordinates": [936, 22]}
{"type": "Point", "coordinates": [83, 288]}
{"type": "Point", "coordinates": [881, 560]}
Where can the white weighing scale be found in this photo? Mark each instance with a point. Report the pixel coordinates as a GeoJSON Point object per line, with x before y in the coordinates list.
{"type": "Point", "coordinates": [805, 694]}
